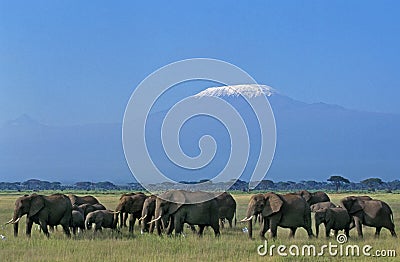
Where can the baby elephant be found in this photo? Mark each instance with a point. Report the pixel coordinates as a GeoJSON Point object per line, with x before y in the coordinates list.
{"type": "Point", "coordinates": [322, 205]}
{"type": "Point", "coordinates": [101, 219]}
{"type": "Point", "coordinates": [335, 218]}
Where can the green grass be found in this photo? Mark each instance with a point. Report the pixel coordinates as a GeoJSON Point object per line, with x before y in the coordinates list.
{"type": "Point", "coordinates": [233, 244]}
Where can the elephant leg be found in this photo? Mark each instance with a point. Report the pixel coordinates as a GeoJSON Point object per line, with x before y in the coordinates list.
{"type": "Point", "coordinates": [29, 224]}
{"type": "Point", "coordinates": [132, 220]}
{"type": "Point", "coordinates": [66, 230]}
{"type": "Point", "coordinates": [98, 227]}
{"type": "Point", "coordinates": [358, 225]}
{"type": "Point", "coordinates": [192, 228]}
{"type": "Point", "coordinates": [292, 232]}
{"type": "Point", "coordinates": [44, 228]}
{"type": "Point", "coordinates": [178, 226]}
{"type": "Point", "coordinates": [378, 232]}
{"type": "Point", "coordinates": [201, 230]}
{"type": "Point", "coordinates": [215, 227]}
{"type": "Point", "coordinates": [347, 231]}
{"type": "Point", "coordinates": [125, 217]}
{"type": "Point", "coordinates": [264, 228]}
{"type": "Point", "coordinates": [74, 229]}
{"type": "Point", "coordinates": [221, 223]}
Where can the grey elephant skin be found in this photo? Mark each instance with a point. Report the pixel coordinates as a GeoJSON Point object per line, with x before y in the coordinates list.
{"type": "Point", "coordinates": [322, 205]}
{"type": "Point", "coordinates": [335, 218]}
{"type": "Point", "coordinates": [46, 211]}
{"type": "Point", "coordinates": [77, 200]}
{"type": "Point", "coordinates": [314, 197]}
{"type": "Point", "coordinates": [78, 221]}
{"type": "Point", "coordinates": [369, 212]}
{"type": "Point", "coordinates": [87, 208]}
{"type": "Point", "coordinates": [226, 208]}
{"type": "Point", "coordinates": [288, 211]}
{"type": "Point", "coordinates": [101, 219]}
{"type": "Point", "coordinates": [148, 211]}
{"type": "Point", "coordinates": [131, 204]}
{"type": "Point", "coordinates": [175, 207]}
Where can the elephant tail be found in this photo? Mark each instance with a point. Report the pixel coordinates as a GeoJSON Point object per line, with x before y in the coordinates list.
{"type": "Point", "coordinates": [234, 214]}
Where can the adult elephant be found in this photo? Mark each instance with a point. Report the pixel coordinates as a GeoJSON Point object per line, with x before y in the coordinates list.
{"type": "Point", "coordinates": [87, 208]}
{"type": "Point", "coordinates": [314, 197]}
{"type": "Point", "coordinates": [148, 211]}
{"type": "Point", "coordinates": [125, 215]}
{"type": "Point", "coordinates": [194, 208]}
{"type": "Point", "coordinates": [132, 205]}
{"type": "Point", "coordinates": [369, 212]}
{"type": "Point", "coordinates": [226, 208]}
{"type": "Point", "coordinates": [46, 211]}
{"type": "Point", "coordinates": [77, 200]}
{"type": "Point", "coordinates": [288, 211]}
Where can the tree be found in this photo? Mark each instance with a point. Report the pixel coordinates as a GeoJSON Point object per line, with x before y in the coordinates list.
{"type": "Point", "coordinates": [338, 181]}
{"type": "Point", "coordinates": [372, 183]}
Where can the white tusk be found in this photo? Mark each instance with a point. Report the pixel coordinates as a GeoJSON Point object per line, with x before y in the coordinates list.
{"type": "Point", "coordinates": [16, 221]}
{"type": "Point", "coordinates": [154, 220]}
{"type": "Point", "coordinates": [9, 222]}
{"type": "Point", "coordinates": [142, 217]}
{"type": "Point", "coordinates": [246, 219]}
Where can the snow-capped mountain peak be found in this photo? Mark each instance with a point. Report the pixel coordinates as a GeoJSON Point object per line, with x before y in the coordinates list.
{"type": "Point", "coordinates": [247, 90]}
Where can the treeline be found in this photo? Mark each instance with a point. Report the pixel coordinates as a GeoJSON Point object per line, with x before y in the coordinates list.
{"type": "Point", "coordinates": [334, 183]}
{"type": "Point", "coordinates": [36, 185]}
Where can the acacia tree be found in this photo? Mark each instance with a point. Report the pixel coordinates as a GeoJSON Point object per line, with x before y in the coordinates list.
{"type": "Point", "coordinates": [372, 183]}
{"type": "Point", "coordinates": [338, 181]}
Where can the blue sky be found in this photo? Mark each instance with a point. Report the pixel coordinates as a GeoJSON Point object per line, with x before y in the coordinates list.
{"type": "Point", "coordinates": [74, 62]}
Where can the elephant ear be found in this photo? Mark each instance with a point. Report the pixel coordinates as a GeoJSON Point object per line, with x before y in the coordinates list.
{"type": "Point", "coordinates": [37, 203]}
{"type": "Point", "coordinates": [177, 199]}
{"type": "Point", "coordinates": [273, 204]}
{"type": "Point", "coordinates": [357, 206]}
{"type": "Point", "coordinates": [306, 195]}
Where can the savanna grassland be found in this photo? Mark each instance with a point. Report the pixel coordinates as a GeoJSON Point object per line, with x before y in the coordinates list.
{"type": "Point", "coordinates": [232, 245]}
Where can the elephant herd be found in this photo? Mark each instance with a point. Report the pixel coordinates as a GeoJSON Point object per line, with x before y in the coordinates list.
{"type": "Point", "coordinates": [294, 210]}
{"type": "Point", "coordinates": [166, 212]}
{"type": "Point", "coordinates": [170, 211]}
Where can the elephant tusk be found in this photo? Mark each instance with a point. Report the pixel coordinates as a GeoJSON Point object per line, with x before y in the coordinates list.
{"type": "Point", "coordinates": [16, 221]}
{"type": "Point", "coordinates": [9, 222]}
{"type": "Point", "coordinates": [154, 220]}
{"type": "Point", "coordinates": [143, 217]}
{"type": "Point", "coordinates": [246, 219]}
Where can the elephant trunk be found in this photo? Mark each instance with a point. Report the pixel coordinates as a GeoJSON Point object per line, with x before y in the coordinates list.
{"type": "Point", "coordinates": [15, 221]}
{"type": "Point", "coordinates": [249, 218]}
{"type": "Point", "coordinates": [317, 223]}
{"type": "Point", "coordinates": [115, 220]}
{"type": "Point", "coordinates": [157, 224]}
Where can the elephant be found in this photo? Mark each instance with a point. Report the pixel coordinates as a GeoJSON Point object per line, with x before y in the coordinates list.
{"type": "Point", "coordinates": [78, 221]}
{"type": "Point", "coordinates": [322, 205]}
{"type": "Point", "coordinates": [148, 210]}
{"type": "Point", "coordinates": [315, 197]}
{"type": "Point", "coordinates": [179, 206]}
{"type": "Point", "coordinates": [77, 200]}
{"type": "Point", "coordinates": [288, 211]}
{"type": "Point", "coordinates": [125, 215]}
{"type": "Point", "coordinates": [46, 211]}
{"type": "Point", "coordinates": [226, 208]}
{"type": "Point", "coordinates": [133, 206]}
{"type": "Point", "coordinates": [87, 208]}
{"type": "Point", "coordinates": [369, 212]}
{"type": "Point", "coordinates": [101, 219]}
{"type": "Point", "coordinates": [335, 218]}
